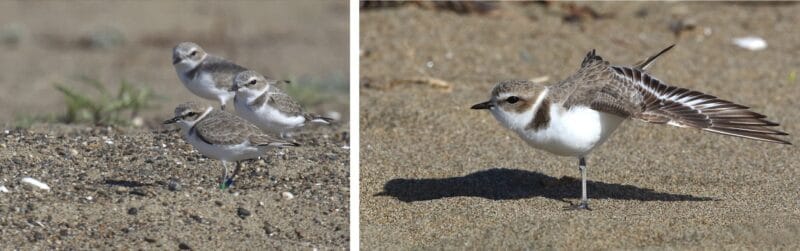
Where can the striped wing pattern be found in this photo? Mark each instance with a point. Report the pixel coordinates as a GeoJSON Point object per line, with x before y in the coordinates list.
{"type": "Point", "coordinates": [682, 107]}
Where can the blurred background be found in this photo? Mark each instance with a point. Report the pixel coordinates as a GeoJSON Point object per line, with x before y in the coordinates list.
{"type": "Point", "coordinates": [108, 63]}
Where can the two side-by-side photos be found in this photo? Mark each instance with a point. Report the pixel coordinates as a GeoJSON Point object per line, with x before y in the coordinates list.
{"type": "Point", "coordinates": [402, 125]}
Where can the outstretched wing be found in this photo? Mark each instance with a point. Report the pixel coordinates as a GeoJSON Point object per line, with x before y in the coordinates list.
{"type": "Point", "coordinates": [595, 83]}
{"type": "Point", "coordinates": [592, 84]}
{"type": "Point", "coordinates": [659, 103]}
{"type": "Point", "coordinates": [644, 64]}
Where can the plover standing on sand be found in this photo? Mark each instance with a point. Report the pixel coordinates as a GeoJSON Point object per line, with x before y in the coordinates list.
{"type": "Point", "coordinates": [223, 136]}
{"type": "Point", "coordinates": [259, 101]}
{"type": "Point", "coordinates": [205, 75]}
{"type": "Point", "coordinates": [573, 116]}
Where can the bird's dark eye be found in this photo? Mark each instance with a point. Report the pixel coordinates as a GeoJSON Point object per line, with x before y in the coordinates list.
{"type": "Point", "coordinates": [252, 82]}
{"type": "Point", "coordinates": [193, 53]}
{"type": "Point", "coordinates": [512, 99]}
{"type": "Point", "coordinates": [190, 114]}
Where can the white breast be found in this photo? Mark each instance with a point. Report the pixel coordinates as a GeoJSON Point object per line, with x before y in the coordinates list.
{"type": "Point", "coordinates": [573, 132]}
{"type": "Point", "coordinates": [203, 85]}
{"type": "Point", "coordinates": [268, 118]}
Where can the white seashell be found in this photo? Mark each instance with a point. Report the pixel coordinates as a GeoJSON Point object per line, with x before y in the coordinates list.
{"type": "Point", "coordinates": [751, 43]}
{"type": "Point", "coordinates": [34, 183]}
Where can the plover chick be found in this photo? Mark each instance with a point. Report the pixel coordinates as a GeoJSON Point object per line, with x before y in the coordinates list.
{"type": "Point", "coordinates": [205, 75]}
{"type": "Point", "coordinates": [576, 115]}
{"type": "Point", "coordinates": [259, 101]}
{"type": "Point", "coordinates": [223, 136]}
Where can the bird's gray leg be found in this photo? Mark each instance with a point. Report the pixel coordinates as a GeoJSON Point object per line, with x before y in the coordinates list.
{"type": "Point", "coordinates": [229, 182]}
{"type": "Point", "coordinates": [584, 203]}
{"type": "Point", "coordinates": [224, 175]}
{"type": "Point", "coordinates": [584, 199]}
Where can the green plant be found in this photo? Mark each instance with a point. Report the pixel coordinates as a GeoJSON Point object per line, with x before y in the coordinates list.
{"type": "Point", "coordinates": [27, 120]}
{"type": "Point", "coordinates": [106, 109]}
{"type": "Point", "coordinates": [315, 91]}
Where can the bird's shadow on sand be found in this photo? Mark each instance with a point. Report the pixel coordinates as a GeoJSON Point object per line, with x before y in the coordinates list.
{"type": "Point", "coordinates": [512, 184]}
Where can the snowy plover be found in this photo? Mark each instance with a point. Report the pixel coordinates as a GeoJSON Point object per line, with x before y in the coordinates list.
{"type": "Point", "coordinates": [223, 136]}
{"type": "Point", "coordinates": [572, 117]}
{"type": "Point", "coordinates": [205, 75]}
{"type": "Point", "coordinates": [259, 101]}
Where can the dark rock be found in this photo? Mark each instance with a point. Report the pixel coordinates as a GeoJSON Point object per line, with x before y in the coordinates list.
{"type": "Point", "coordinates": [184, 246]}
{"type": "Point", "coordinates": [270, 229]}
{"type": "Point", "coordinates": [133, 211]}
{"type": "Point", "coordinates": [139, 192]}
{"type": "Point", "coordinates": [38, 236]}
{"type": "Point", "coordinates": [197, 218]}
{"type": "Point", "coordinates": [243, 213]}
{"type": "Point", "coordinates": [174, 186]}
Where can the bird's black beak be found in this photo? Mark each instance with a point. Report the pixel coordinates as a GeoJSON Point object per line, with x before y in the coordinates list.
{"type": "Point", "coordinates": [172, 120]}
{"type": "Point", "coordinates": [484, 105]}
{"type": "Point", "coordinates": [176, 60]}
{"type": "Point", "coordinates": [234, 88]}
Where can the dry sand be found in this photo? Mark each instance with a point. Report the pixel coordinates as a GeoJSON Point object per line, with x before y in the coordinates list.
{"type": "Point", "coordinates": [132, 188]}
{"type": "Point", "coordinates": [437, 175]}
{"type": "Point", "coordinates": [118, 196]}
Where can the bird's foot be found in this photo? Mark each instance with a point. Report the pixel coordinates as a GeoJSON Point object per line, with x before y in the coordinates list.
{"type": "Point", "coordinates": [226, 184]}
{"type": "Point", "coordinates": [583, 205]}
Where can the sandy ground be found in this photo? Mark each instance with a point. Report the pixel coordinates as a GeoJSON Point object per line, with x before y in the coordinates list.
{"type": "Point", "coordinates": [116, 188]}
{"type": "Point", "coordinates": [437, 175]}
{"type": "Point", "coordinates": [131, 189]}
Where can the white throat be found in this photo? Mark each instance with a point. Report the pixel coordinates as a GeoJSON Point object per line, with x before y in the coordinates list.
{"type": "Point", "coordinates": [187, 65]}
{"type": "Point", "coordinates": [251, 95]}
{"type": "Point", "coordinates": [519, 121]}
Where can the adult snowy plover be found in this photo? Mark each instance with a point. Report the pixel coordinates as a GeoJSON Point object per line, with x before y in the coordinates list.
{"type": "Point", "coordinates": [259, 101]}
{"type": "Point", "coordinates": [573, 116]}
{"type": "Point", "coordinates": [223, 136]}
{"type": "Point", "coordinates": [205, 75]}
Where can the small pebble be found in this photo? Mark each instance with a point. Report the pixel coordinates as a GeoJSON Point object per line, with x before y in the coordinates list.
{"type": "Point", "coordinates": [38, 236]}
{"type": "Point", "coordinates": [174, 185]}
{"type": "Point", "coordinates": [121, 189]}
{"type": "Point", "coordinates": [184, 246]}
{"type": "Point", "coordinates": [148, 239]}
{"type": "Point", "coordinates": [34, 183]}
{"type": "Point", "coordinates": [197, 218]}
{"type": "Point", "coordinates": [243, 213]}
{"type": "Point", "coordinates": [4, 189]}
{"type": "Point", "coordinates": [218, 203]}
{"type": "Point", "coordinates": [287, 195]}
{"type": "Point", "coordinates": [133, 211]}
{"type": "Point", "coordinates": [139, 192]}
{"type": "Point", "coordinates": [752, 43]}
{"type": "Point", "coordinates": [269, 229]}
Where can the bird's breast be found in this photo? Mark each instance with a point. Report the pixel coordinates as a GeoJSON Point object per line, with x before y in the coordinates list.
{"type": "Point", "coordinates": [571, 132]}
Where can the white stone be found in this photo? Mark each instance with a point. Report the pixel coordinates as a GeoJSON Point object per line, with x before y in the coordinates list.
{"type": "Point", "coordinates": [34, 183]}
